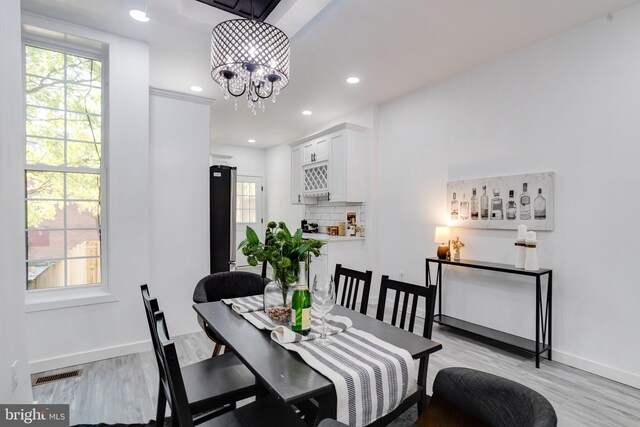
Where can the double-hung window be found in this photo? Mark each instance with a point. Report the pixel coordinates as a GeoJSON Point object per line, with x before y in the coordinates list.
{"type": "Point", "coordinates": [65, 166]}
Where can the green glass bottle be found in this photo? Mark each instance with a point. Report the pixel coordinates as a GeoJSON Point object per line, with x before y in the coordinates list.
{"type": "Point", "coordinates": [301, 305]}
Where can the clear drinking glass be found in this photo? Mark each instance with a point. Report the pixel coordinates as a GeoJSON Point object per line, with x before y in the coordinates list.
{"type": "Point", "coordinates": [324, 298]}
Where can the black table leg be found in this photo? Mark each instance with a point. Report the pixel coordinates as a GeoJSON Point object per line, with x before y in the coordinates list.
{"type": "Point", "coordinates": [422, 382]}
{"type": "Point", "coordinates": [327, 405]}
{"type": "Point", "coordinates": [538, 304]}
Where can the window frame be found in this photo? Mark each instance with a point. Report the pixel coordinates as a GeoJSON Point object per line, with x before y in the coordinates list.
{"type": "Point", "coordinates": [64, 296]}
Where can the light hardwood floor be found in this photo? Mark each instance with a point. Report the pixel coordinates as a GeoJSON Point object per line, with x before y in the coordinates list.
{"type": "Point", "coordinates": [124, 389]}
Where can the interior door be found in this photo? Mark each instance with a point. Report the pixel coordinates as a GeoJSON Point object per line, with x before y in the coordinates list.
{"type": "Point", "coordinates": [249, 211]}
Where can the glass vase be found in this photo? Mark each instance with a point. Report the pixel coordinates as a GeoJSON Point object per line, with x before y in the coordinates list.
{"type": "Point", "coordinates": [277, 301]}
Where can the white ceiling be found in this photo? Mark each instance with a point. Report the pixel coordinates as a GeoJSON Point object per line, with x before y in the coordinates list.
{"type": "Point", "coordinates": [393, 46]}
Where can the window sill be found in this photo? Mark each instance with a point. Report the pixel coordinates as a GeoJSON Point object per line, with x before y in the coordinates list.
{"type": "Point", "coordinates": [53, 299]}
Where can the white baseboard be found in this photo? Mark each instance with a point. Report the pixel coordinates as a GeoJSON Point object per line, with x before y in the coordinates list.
{"type": "Point", "coordinates": [88, 356]}
{"type": "Point", "coordinates": [597, 368]}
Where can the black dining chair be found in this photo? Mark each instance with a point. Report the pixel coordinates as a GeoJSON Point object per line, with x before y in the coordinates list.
{"type": "Point", "coordinates": [226, 284]}
{"type": "Point", "coordinates": [351, 286]}
{"type": "Point", "coordinates": [264, 412]}
{"type": "Point", "coordinates": [212, 386]}
{"type": "Point", "coordinates": [410, 295]}
{"type": "Point", "coordinates": [464, 397]}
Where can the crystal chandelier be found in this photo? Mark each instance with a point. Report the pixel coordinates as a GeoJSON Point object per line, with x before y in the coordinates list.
{"type": "Point", "coordinates": [252, 57]}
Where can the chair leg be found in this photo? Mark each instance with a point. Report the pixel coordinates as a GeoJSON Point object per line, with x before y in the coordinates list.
{"type": "Point", "coordinates": [162, 406]}
{"type": "Point", "coordinates": [216, 349]}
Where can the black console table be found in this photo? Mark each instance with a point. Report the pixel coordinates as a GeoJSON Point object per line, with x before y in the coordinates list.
{"type": "Point", "coordinates": [543, 317]}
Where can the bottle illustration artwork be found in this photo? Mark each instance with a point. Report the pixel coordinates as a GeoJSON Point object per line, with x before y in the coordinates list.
{"type": "Point", "coordinates": [474, 205]}
{"type": "Point", "coordinates": [464, 207]}
{"type": "Point", "coordinates": [484, 204]}
{"type": "Point", "coordinates": [512, 208]}
{"type": "Point", "coordinates": [525, 203]}
{"type": "Point", "coordinates": [454, 207]}
{"type": "Point", "coordinates": [539, 206]}
{"type": "Point", "coordinates": [496, 205]}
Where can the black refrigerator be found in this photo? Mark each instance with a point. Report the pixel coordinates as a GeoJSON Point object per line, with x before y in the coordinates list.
{"type": "Point", "coordinates": [222, 218]}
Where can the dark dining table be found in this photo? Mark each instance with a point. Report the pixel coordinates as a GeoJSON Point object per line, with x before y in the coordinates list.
{"type": "Point", "coordinates": [283, 373]}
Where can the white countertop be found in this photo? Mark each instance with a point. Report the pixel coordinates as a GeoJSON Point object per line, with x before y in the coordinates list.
{"type": "Point", "coordinates": [328, 238]}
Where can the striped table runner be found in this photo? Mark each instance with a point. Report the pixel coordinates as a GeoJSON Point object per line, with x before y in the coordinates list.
{"type": "Point", "coordinates": [371, 376]}
{"type": "Point", "coordinates": [246, 304]}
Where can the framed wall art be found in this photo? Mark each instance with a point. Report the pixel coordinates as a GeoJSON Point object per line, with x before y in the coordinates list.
{"type": "Point", "coordinates": [502, 202]}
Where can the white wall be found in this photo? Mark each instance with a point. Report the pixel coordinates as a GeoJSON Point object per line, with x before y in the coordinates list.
{"type": "Point", "coordinates": [569, 105]}
{"type": "Point", "coordinates": [179, 217]}
{"type": "Point", "coordinates": [249, 161]}
{"type": "Point", "coordinates": [12, 253]}
{"type": "Point", "coordinates": [61, 337]}
{"type": "Point", "coordinates": [278, 187]}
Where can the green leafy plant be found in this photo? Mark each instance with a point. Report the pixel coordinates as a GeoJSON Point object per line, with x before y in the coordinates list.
{"type": "Point", "coordinates": [281, 249]}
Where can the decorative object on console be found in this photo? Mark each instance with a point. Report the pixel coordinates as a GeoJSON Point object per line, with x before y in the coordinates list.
{"type": "Point", "coordinates": [285, 253]}
{"type": "Point", "coordinates": [501, 212]}
{"type": "Point", "coordinates": [252, 57]}
{"type": "Point", "coordinates": [457, 245]}
{"type": "Point", "coordinates": [521, 246]}
{"type": "Point", "coordinates": [442, 238]}
{"type": "Point", "coordinates": [531, 262]}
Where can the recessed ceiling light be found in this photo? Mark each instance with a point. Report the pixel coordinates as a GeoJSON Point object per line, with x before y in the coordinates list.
{"type": "Point", "coordinates": [139, 15]}
{"type": "Point", "coordinates": [251, 141]}
{"type": "Point", "coordinates": [353, 80]}
{"type": "Point", "coordinates": [307, 112]}
{"type": "Point", "coordinates": [196, 88]}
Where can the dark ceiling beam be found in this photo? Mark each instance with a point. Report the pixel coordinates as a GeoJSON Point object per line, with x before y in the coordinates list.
{"type": "Point", "coordinates": [242, 8]}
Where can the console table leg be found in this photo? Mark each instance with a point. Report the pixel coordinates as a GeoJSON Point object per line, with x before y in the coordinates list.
{"type": "Point", "coordinates": [439, 285]}
{"type": "Point", "coordinates": [538, 304]}
{"type": "Point", "coordinates": [550, 314]}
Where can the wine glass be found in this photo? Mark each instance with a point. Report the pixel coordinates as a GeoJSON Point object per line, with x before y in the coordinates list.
{"type": "Point", "coordinates": [324, 297]}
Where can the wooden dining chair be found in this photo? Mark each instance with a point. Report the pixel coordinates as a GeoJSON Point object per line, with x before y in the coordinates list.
{"type": "Point", "coordinates": [351, 286]}
{"type": "Point", "coordinates": [411, 295]}
{"type": "Point", "coordinates": [212, 386]}
{"type": "Point", "coordinates": [265, 411]}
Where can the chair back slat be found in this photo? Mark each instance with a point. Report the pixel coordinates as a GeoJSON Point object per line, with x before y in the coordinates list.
{"type": "Point", "coordinates": [428, 293]}
{"type": "Point", "coordinates": [414, 307]}
{"type": "Point", "coordinates": [350, 287]}
{"type": "Point", "coordinates": [395, 308]}
{"type": "Point", "coordinates": [405, 308]}
{"type": "Point", "coordinates": [151, 307]}
{"type": "Point", "coordinates": [173, 381]}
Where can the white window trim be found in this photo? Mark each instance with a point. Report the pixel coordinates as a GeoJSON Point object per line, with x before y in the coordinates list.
{"type": "Point", "coordinates": [72, 296]}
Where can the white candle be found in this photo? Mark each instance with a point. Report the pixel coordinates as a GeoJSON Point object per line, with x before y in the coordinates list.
{"type": "Point", "coordinates": [522, 232]}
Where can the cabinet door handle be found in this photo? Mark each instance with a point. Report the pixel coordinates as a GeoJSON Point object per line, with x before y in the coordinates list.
{"type": "Point", "coordinates": [298, 198]}
{"type": "Point", "coordinates": [328, 196]}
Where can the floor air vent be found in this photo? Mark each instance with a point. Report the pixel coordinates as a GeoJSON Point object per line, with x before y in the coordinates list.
{"type": "Point", "coordinates": [55, 377]}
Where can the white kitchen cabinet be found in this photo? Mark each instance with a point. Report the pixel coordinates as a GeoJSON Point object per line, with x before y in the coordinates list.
{"type": "Point", "coordinates": [296, 175]}
{"type": "Point", "coordinates": [297, 195]}
{"type": "Point", "coordinates": [331, 163]}
{"type": "Point", "coordinates": [347, 166]}
{"type": "Point", "coordinates": [315, 150]}
{"type": "Point", "coordinates": [319, 267]}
